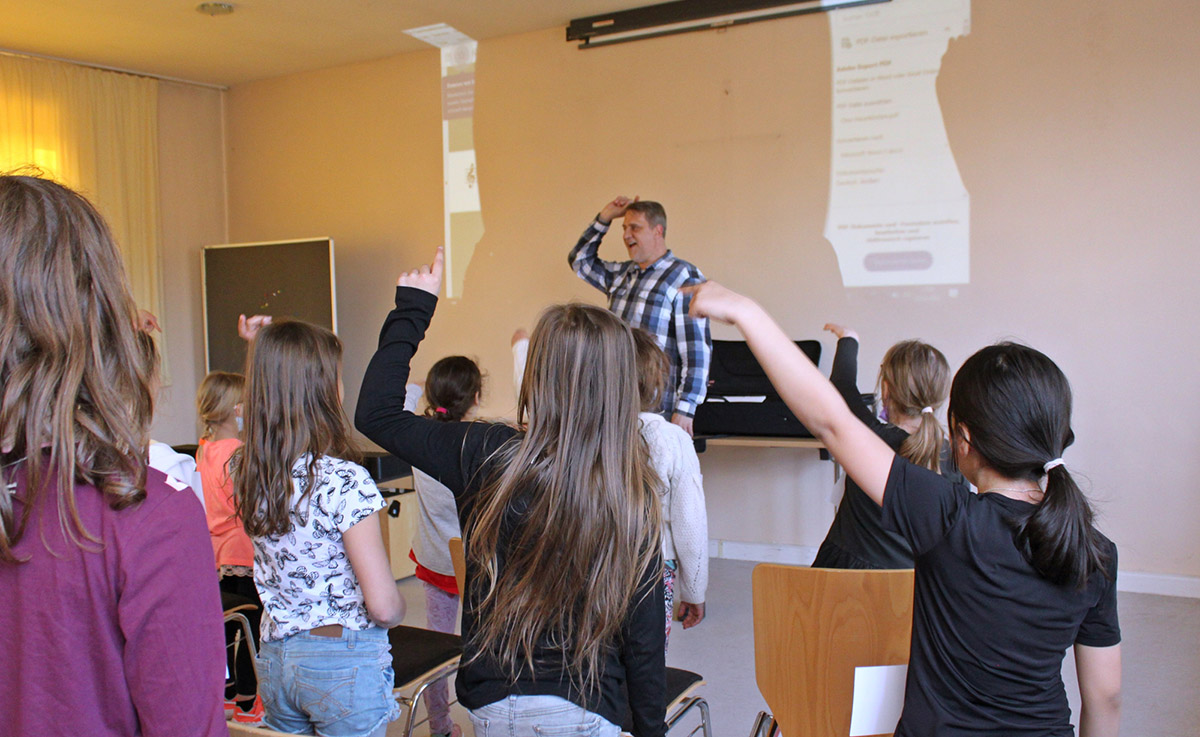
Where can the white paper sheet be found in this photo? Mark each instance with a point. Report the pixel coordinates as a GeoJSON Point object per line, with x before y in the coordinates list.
{"type": "Point", "coordinates": [878, 699]}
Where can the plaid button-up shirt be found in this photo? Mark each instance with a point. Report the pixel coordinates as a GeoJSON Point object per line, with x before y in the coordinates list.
{"type": "Point", "coordinates": [650, 299]}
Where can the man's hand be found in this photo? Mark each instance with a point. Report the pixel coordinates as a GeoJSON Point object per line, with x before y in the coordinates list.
{"type": "Point", "coordinates": [841, 331]}
{"type": "Point", "coordinates": [691, 614]}
{"type": "Point", "coordinates": [615, 209]}
{"type": "Point", "coordinates": [683, 421]}
{"type": "Point", "coordinates": [248, 327]}
{"type": "Point", "coordinates": [427, 277]}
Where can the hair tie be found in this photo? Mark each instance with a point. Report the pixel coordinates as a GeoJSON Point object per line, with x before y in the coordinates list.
{"type": "Point", "coordinates": [927, 410]}
{"type": "Point", "coordinates": [441, 410]}
{"type": "Point", "coordinates": [1052, 464]}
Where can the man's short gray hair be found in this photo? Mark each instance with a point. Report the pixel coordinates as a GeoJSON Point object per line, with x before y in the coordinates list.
{"type": "Point", "coordinates": [652, 211]}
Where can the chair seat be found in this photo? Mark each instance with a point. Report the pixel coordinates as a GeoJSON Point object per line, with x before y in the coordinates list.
{"type": "Point", "coordinates": [679, 682]}
{"type": "Point", "coordinates": [417, 651]}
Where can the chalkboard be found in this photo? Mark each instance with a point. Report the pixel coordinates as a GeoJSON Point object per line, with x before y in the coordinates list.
{"type": "Point", "coordinates": [282, 278]}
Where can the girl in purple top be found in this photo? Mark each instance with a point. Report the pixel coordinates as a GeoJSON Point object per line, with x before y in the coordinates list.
{"type": "Point", "coordinates": [111, 623]}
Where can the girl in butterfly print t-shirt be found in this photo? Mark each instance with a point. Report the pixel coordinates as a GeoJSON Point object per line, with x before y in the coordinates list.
{"type": "Point", "coordinates": [319, 563]}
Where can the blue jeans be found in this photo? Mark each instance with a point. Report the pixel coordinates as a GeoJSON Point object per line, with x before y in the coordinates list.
{"type": "Point", "coordinates": [539, 716]}
{"type": "Point", "coordinates": [330, 686]}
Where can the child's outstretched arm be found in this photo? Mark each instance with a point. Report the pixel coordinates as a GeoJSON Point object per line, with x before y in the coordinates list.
{"type": "Point", "coordinates": [815, 401]}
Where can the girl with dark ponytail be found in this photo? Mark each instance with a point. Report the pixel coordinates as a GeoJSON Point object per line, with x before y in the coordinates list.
{"type": "Point", "coordinates": [1007, 579]}
{"type": "Point", "coordinates": [914, 379]}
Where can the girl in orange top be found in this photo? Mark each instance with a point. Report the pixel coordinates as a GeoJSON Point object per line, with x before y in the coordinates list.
{"type": "Point", "coordinates": [219, 405]}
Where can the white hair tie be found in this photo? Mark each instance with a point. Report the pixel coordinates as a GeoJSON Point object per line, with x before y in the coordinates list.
{"type": "Point", "coordinates": [927, 410]}
{"type": "Point", "coordinates": [1052, 464]}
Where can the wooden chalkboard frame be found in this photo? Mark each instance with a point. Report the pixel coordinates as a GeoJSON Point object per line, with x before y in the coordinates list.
{"type": "Point", "coordinates": [283, 278]}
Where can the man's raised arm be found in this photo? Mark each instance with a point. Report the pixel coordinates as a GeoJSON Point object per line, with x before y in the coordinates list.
{"type": "Point", "coordinates": [584, 258]}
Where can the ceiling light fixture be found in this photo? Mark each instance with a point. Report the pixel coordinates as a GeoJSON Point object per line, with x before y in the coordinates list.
{"type": "Point", "coordinates": [682, 16]}
{"type": "Point", "coordinates": [215, 9]}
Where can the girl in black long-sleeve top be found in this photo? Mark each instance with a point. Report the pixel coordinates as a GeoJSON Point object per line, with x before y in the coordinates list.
{"type": "Point", "coordinates": [914, 381]}
{"type": "Point", "coordinates": [564, 594]}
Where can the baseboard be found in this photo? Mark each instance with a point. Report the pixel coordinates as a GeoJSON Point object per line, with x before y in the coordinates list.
{"type": "Point", "coordinates": [792, 555]}
{"type": "Point", "coordinates": [1163, 584]}
{"type": "Point", "coordinates": [801, 555]}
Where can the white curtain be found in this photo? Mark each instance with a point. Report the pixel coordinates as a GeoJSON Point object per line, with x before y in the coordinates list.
{"type": "Point", "coordinates": [96, 132]}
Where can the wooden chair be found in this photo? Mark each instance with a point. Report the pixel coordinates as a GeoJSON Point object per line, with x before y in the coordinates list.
{"type": "Point", "coordinates": [681, 684]}
{"type": "Point", "coordinates": [812, 628]}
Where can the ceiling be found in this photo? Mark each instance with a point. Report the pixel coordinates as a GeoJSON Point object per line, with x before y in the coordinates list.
{"type": "Point", "coordinates": [262, 38]}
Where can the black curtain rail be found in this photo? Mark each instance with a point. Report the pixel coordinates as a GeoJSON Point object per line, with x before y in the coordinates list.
{"type": "Point", "coordinates": [682, 16]}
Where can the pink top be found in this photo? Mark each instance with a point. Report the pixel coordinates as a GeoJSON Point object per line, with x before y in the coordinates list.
{"type": "Point", "coordinates": [122, 638]}
{"type": "Point", "coordinates": [231, 545]}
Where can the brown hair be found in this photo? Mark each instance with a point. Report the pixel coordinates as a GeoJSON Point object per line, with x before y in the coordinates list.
{"type": "Point", "coordinates": [452, 387]}
{"type": "Point", "coordinates": [73, 389]}
{"type": "Point", "coordinates": [917, 376]}
{"type": "Point", "coordinates": [582, 471]}
{"type": "Point", "coordinates": [219, 394]}
{"type": "Point", "coordinates": [654, 213]}
{"type": "Point", "coordinates": [653, 368]}
{"type": "Point", "coordinates": [292, 408]}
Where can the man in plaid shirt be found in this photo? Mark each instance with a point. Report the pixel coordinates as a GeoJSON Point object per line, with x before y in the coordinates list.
{"type": "Point", "coordinates": [644, 292]}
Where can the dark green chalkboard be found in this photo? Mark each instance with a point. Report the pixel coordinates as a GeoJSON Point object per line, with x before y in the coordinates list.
{"type": "Point", "coordinates": [283, 279]}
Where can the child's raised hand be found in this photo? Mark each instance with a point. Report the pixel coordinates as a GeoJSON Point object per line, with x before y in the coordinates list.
{"type": "Point", "coordinates": [710, 299]}
{"type": "Point", "coordinates": [427, 277]}
{"type": "Point", "coordinates": [248, 327]}
{"type": "Point", "coordinates": [841, 331]}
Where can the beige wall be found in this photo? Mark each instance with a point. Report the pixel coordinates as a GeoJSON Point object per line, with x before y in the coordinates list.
{"type": "Point", "coordinates": [1072, 123]}
{"type": "Point", "coordinates": [192, 209]}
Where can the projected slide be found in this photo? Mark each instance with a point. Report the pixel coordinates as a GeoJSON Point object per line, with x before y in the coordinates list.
{"type": "Point", "coordinates": [464, 219]}
{"type": "Point", "coordinates": [898, 211]}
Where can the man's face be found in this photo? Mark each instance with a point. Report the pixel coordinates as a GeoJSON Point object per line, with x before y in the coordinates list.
{"type": "Point", "coordinates": [646, 245]}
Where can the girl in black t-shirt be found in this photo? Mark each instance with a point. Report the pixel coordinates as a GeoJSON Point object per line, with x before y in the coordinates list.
{"type": "Point", "coordinates": [1006, 580]}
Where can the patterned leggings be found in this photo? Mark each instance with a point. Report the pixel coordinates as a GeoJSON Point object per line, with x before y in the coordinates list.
{"type": "Point", "coordinates": [441, 613]}
{"type": "Point", "coordinates": [669, 594]}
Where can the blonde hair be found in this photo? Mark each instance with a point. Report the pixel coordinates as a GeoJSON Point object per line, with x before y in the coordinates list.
{"type": "Point", "coordinates": [219, 394]}
{"type": "Point", "coordinates": [581, 471]}
{"type": "Point", "coordinates": [75, 400]}
{"type": "Point", "coordinates": [653, 368]}
{"type": "Point", "coordinates": [917, 376]}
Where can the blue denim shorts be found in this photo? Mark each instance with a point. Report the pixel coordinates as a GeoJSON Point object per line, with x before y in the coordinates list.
{"type": "Point", "coordinates": [539, 716]}
{"type": "Point", "coordinates": [329, 686]}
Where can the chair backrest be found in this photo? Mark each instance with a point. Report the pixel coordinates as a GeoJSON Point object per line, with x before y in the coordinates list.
{"type": "Point", "coordinates": [460, 563]}
{"type": "Point", "coordinates": [813, 627]}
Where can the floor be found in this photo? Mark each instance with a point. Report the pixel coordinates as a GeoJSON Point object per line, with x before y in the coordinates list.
{"type": "Point", "coordinates": [1160, 650]}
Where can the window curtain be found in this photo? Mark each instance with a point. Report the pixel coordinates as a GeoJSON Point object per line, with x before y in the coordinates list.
{"type": "Point", "coordinates": [96, 132]}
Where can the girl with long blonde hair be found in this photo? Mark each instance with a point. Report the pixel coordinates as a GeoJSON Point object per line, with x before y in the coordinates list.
{"type": "Point", "coordinates": [914, 380]}
{"type": "Point", "coordinates": [111, 621]}
{"type": "Point", "coordinates": [563, 605]}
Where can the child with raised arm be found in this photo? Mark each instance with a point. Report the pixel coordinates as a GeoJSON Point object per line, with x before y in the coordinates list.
{"type": "Point", "coordinates": [914, 380]}
{"type": "Point", "coordinates": [1007, 580]}
{"type": "Point", "coordinates": [563, 608]}
{"type": "Point", "coordinates": [319, 563]}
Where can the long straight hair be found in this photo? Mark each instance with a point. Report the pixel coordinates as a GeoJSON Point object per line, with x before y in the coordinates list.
{"type": "Point", "coordinates": [917, 376]}
{"type": "Point", "coordinates": [1016, 404]}
{"type": "Point", "coordinates": [291, 407]}
{"type": "Point", "coordinates": [573, 502]}
{"type": "Point", "coordinates": [73, 387]}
